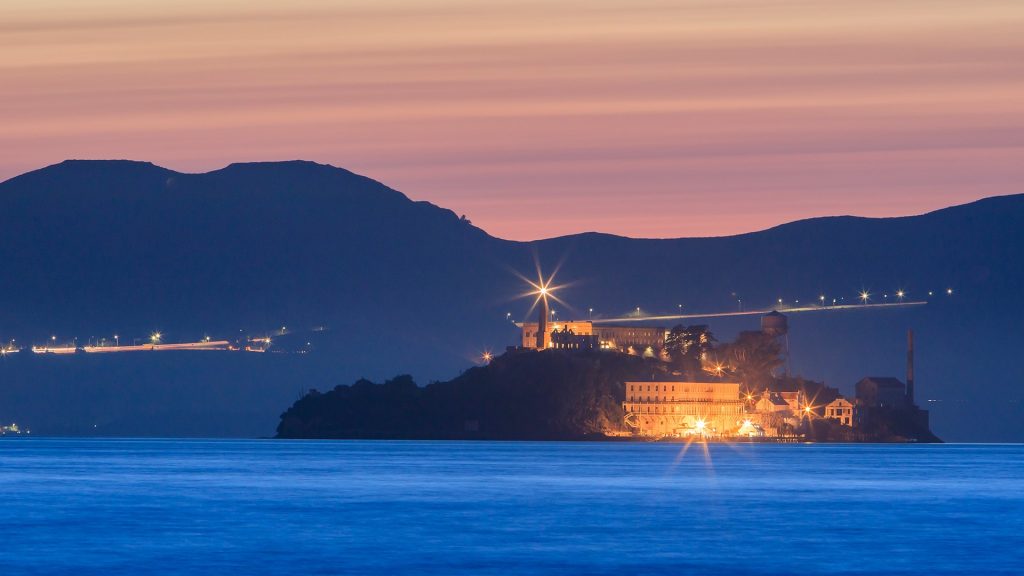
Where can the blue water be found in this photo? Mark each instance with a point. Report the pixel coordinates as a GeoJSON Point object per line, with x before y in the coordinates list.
{"type": "Point", "coordinates": [278, 507]}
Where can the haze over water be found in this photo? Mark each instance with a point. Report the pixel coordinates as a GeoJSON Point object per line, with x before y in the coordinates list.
{"type": "Point", "coordinates": [265, 507]}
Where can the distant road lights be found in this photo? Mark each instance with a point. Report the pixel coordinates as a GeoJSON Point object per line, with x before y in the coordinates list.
{"type": "Point", "coordinates": [865, 296]}
{"type": "Point", "coordinates": [822, 299]}
{"type": "Point", "coordinates": [487, 357]}
{"type": "Point", "coordinates": [590, 313]}
{"type": "Point", "coordinates": [637, 311]}
{"type": "Point", "coordinates": [900, 294]}
{"type": "Point", "coordinates": [949, 291]}
{"type": "Point", "coordinates": [155, 337]}
{"type": "Point", "coordinates": [930, 292]}
{"type": "Point", "coordinates": [117, 340]}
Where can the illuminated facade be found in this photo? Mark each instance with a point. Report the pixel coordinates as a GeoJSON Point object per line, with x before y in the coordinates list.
{"type": "Point", "coordinates": [642, 340]}
{"type": "Point", "coordinates": [677, 409]}
{"type": "Point", "coordinates": [841, 410]}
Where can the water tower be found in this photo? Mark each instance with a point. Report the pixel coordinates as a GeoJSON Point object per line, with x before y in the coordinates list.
{"type": "Point", "coordinates": [775, 324]}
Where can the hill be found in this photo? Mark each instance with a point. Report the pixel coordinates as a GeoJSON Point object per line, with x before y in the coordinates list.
{"type": "Point", "coordinates": [93, 248]}
{"type": "Point", "coordinates": [553, 395]}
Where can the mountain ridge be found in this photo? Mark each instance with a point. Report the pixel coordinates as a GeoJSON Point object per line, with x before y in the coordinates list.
{"type": "Point", "coordinates": [94, 248]}
{"type": "Point", "coordinates": [271, 166]}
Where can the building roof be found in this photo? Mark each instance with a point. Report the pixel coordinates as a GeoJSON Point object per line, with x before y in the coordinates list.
{"type": "Point", "coordinates": [686, 382]}
{"type": "Point", "coordinates": [885, 381]}
{"type": "Point", "coordinates": [775, 399]}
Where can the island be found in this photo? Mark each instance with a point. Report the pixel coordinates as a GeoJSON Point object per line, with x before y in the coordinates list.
{"type": "Point", "coordinates": [691, 388]}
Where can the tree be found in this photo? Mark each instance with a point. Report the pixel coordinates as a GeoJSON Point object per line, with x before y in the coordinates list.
{"type": "Point", "coordinates": [753, 357]}
{"type": "Point", "coordinates": [688, 347]}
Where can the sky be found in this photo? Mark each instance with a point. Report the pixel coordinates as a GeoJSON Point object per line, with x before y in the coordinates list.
{"type": "Point", "coordinates": [542, 118]}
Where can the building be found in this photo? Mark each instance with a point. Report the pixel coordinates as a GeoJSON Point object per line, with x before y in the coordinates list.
{"type": "Point", "coordinates": [775, 414]}
{"type": "Point", "coordinates": [566, 339]}
{"type": "Point", "coordinates": [643, 340]}
{"type": "Point", "coordinates": [794, 399]}
{"type": "Point", "coordinates": [887, 404]}
{"type": "Point", "coordinates": [881, 392]}
{"type": "Point", "coordinates": [675, 409]}
{"type": "Point", "coordinates": [842, 410]}
{"type": "Point", "coordinates": [772, 403]}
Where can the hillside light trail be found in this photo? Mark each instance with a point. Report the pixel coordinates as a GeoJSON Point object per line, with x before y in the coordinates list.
{"type": "Point", "coordinates": [763, 311]}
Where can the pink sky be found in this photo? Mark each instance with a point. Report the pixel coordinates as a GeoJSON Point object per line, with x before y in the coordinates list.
{"type": "Point", "coordinates": [535, 119]}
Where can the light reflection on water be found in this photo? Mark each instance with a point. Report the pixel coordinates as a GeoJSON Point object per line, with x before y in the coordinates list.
{"type": "Point", "coordinates": [270, 507]}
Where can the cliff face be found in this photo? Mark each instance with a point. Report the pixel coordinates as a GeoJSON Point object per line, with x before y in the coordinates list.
{"type": "Point", "coordinates": [551, 395]}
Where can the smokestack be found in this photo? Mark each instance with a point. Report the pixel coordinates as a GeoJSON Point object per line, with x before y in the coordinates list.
{"type": "Point", "coordinates": [910, 367]}
{"type": "Point", "coordinates": [542, 323]}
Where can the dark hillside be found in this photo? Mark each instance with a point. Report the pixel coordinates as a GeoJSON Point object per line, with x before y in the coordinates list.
{"type": "Point", "coordinates": [93, 248]}
{"type": "Point", "coordinates": [542, 396]}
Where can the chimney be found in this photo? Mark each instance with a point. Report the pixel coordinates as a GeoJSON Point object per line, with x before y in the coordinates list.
{"type": "Point", "coordinates": [910, 367]}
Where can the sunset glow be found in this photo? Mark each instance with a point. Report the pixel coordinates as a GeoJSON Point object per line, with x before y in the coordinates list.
{"type": "Point", "coordinates": [646, 118]}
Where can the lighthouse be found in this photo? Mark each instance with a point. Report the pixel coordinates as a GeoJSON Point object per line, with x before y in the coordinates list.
{"type": "Point", "coordinates": [542, 319]}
